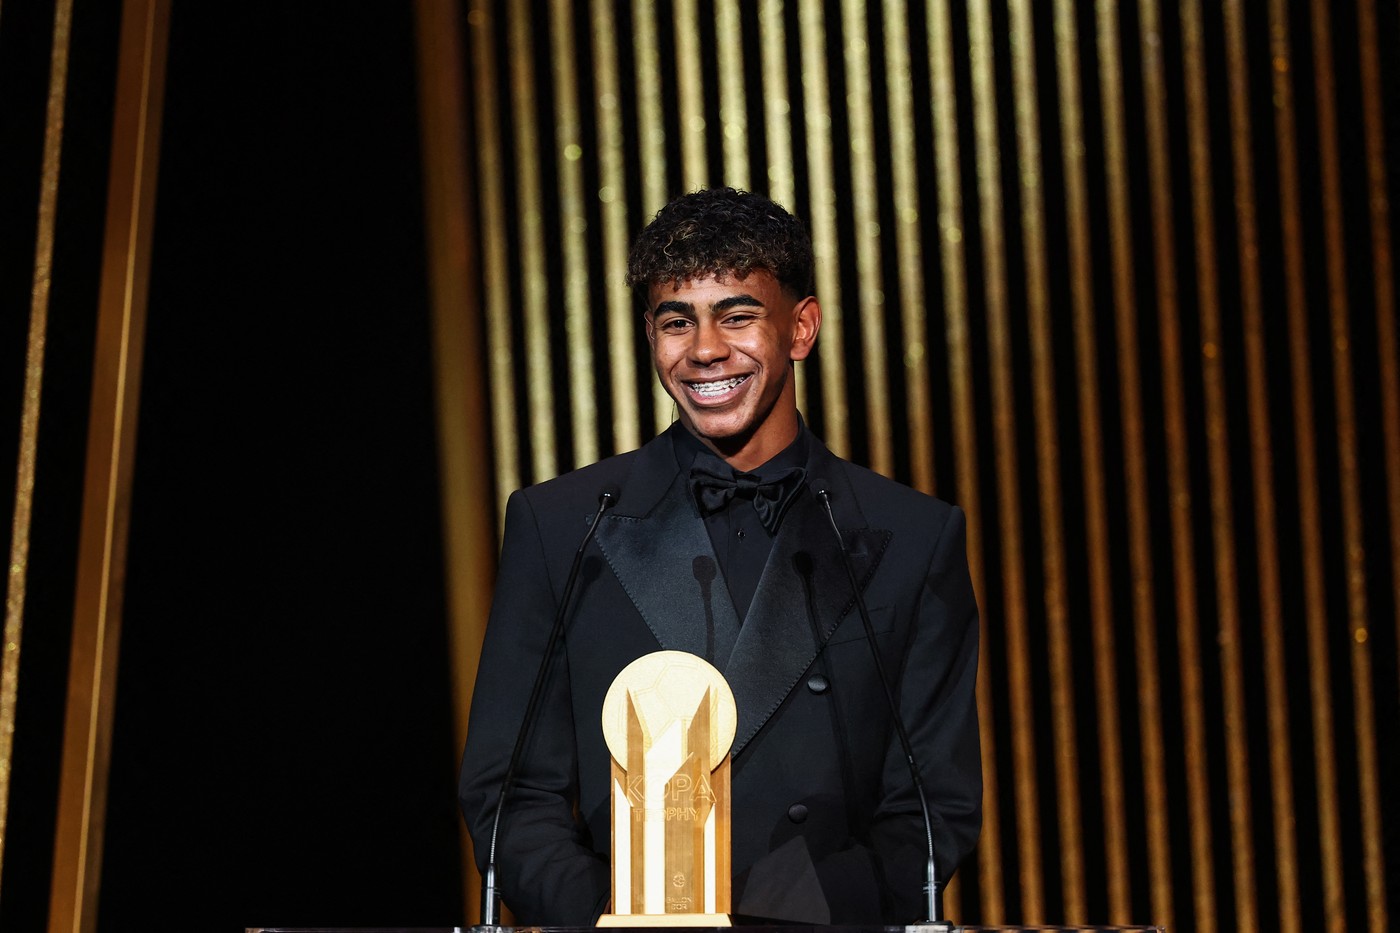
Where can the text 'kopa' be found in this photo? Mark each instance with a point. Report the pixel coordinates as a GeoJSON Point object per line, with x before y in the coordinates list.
{"type": "Point", "coordinates": [680, 788]}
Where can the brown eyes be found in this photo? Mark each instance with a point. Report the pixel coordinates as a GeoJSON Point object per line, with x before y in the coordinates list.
{"type": "Point", "coordinates": [679, 324]}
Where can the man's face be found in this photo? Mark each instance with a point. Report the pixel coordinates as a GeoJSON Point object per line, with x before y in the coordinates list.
{"type": "Point", "coordinates": [722, 347]}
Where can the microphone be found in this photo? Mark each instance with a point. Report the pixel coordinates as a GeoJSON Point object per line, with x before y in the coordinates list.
{"type": "Point", "coordinates": [822, 490]}
{"type": "Point", "coordinates": [490, 899]}
{"type": "Point", "coordinates": [705, 571]}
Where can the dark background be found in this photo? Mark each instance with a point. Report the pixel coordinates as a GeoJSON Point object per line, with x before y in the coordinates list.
{"type": "Point", "coordinates": [283, 751]}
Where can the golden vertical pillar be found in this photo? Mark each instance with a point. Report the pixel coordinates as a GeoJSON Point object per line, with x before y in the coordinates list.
{"type": "Point", "coordinates": [18, 575]}
{"type": "Point", "coordinates": [458, 339]}
{"type": "Point", "coordinates": [1131, 425]}
{"type": "Point", "coordinates": [1261, 459]}
{"type": "Point", "coordinates": [1093, 467]}
{"type": "Point", "coordinates": [1290, 194]}
{"type": "Point", "coordinates": [111, 447]}
{"type": "Point", "coordinates": [1349, 481]}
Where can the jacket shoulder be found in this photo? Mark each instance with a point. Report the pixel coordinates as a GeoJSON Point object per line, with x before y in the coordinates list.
{"type": "Point", "coordinates": [884, 499]}
{"type": "Point", "coordinates": [581, 486]}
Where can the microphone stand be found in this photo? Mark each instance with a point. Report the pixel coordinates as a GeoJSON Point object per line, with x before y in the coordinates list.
{"type": "Point", "coordinates": [931, 875]}
{"type": "Point", "coordinates": [490, 898]}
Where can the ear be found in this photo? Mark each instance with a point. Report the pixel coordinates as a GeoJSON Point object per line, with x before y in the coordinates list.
{"type": "Point", "coordinates": [806, 321]}
{"type": "Point", "coordinates": [651, 328]}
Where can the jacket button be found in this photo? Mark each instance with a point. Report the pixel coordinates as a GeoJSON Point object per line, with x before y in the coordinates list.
{"type": "Point", "coordinates": [797, 813]}
{"type": "Point", "coordinates": [818, 684]}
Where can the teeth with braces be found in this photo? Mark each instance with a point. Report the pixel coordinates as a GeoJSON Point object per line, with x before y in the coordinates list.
{"type": "Point", "coordinates": [711, 389]}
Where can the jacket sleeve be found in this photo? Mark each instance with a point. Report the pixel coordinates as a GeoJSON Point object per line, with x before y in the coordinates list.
{"type": "Point", "coordinates": [936, 679]}
{"type": "Point", "coordinates": [546, 871]}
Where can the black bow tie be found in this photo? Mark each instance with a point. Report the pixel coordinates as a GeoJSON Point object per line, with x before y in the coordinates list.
{"type": "Point", "coordinates": [770, 499]}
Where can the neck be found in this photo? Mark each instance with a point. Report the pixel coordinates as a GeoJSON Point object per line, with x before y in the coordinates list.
{"type": "Point", "coordinates": [749, 452]}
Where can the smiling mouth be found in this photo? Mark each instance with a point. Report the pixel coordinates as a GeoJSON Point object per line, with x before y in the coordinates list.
{"type": "Point", "coordinates": [717, 387]}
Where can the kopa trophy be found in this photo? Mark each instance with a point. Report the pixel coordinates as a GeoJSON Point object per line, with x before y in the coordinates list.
{"type": "Point", "coordinates": [669, 721]}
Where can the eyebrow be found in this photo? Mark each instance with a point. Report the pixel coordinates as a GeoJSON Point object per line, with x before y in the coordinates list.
{"type": "Point", "coordinates": [744, 300]}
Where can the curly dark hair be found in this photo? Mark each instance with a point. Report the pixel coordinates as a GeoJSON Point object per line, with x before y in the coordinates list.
{"type": "Point", "coordinates": [721, 231]}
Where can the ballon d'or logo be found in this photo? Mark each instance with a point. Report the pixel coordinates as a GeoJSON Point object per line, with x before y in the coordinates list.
{"type": "Point", "coordinates": [669, 720]}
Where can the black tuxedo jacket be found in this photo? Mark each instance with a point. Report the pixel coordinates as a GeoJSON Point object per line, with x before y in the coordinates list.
{"type": "Point", "coordinates": [826, 824]}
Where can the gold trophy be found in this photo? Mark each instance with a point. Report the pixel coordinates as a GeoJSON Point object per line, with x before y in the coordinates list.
{"type": "Point", "coordinates": [669, 720]}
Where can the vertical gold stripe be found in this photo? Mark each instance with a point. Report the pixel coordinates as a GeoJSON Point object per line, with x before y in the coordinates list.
{"type": "Point", "coordinates": [1383, 274]}
{"type": "Point", "coordinates": [984, 105]}
{"type": "Point", "coordinates": [1071, 855]}
{"type": "Point", "coordinates": [645, 36]}
{"type": "Point", "coordinates": [622, 358]}
{"type": "Point", "coordinates": [534, 298]}
{"type": "Point", "coordinates": [777, 117]}
{"type": "Point", "coordinates": [777, 104]}
{"type": "Point", "coordinates": [733, 117]}
{"type": "Point", "coordinates": [111, 449]}
{"type": "Point", "coordinates": [1299, 353]}
{"type": "Point", "coordinates": [1218, 460]}
{"type": "Point", "coordinates": [1261, 462]}
{"type": "Point", "coordinates": [1092, 460]}
{"type": "Point", "coordinates": [1353, 531]}
{"type": "Point", "coordinates": [505, 447]}
{"type": "Point", "coordinates": [458, 358]}
{"type": "Point", "coordinates": [817, 122]}
{"type": "Point", "coordinates": [909, 244]}
{"type": "Point", "coordinates": [33, 385]}
{"type": "Point", "coordinates": [1178, 471]}
{"type": "Point", "coordinates": [573, 231]}
{"type": "Point", "coordinates": [955, 309]}
{"type": "Point", "coordinates": [636, 758]}
{"type": "Point", "coordinates": [690, 84]}
{"type": "Point", "coordinates": [866, 218]}
{"type": "Point", "coordinates": [647, 58]}
{"type": "Point", "coordinates": [1158, 841]}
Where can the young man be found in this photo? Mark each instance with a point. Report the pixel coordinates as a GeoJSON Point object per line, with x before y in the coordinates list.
{"type": "Point", "coordinates": [719, 546]}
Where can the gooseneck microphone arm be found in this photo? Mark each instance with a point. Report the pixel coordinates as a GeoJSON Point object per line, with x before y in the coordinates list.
{"type": "Point", "coordinates": [823, 493]}
{"type": "Point", "coordinates": [490, 900]}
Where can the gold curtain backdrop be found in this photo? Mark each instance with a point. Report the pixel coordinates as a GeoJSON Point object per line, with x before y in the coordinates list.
{"type": "Point", "coordinates": [1116, 277]}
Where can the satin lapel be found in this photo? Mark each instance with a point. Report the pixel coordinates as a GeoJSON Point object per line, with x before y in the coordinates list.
{"type": "Point", "coordinates": [801, 598]}
{"type": "Point", "coordinates": [660, 552]}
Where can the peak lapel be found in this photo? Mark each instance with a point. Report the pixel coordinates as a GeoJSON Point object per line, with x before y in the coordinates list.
{"type": "Point", "coordinates": [801, 598]}
{"type": "Point", "coordinates": [660, 552]}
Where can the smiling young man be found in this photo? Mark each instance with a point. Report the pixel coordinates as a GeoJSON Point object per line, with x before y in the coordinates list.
{"type": "Point", "coordinates": [718, 546]}
{"type": "Point", "coordinates": [724, 348]}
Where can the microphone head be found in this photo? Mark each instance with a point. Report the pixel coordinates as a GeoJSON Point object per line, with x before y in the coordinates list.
{"type": "Point", "coordinates": [704, 569]}
{"type": "Point", "coordinates": [609, 495]}
{"type": "Point", "coordinates": [820, 488]}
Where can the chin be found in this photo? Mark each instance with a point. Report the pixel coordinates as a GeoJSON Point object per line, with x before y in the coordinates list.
{"type": "Point", "coordinates": [719, 429]}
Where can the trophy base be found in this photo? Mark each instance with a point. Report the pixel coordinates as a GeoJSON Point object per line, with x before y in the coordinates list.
{"type": "Point", "coordinates": [665, 920]}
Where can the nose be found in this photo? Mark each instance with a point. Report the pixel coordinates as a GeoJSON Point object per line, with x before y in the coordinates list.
{"type": "Point", "coordinates": [707, 345]}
